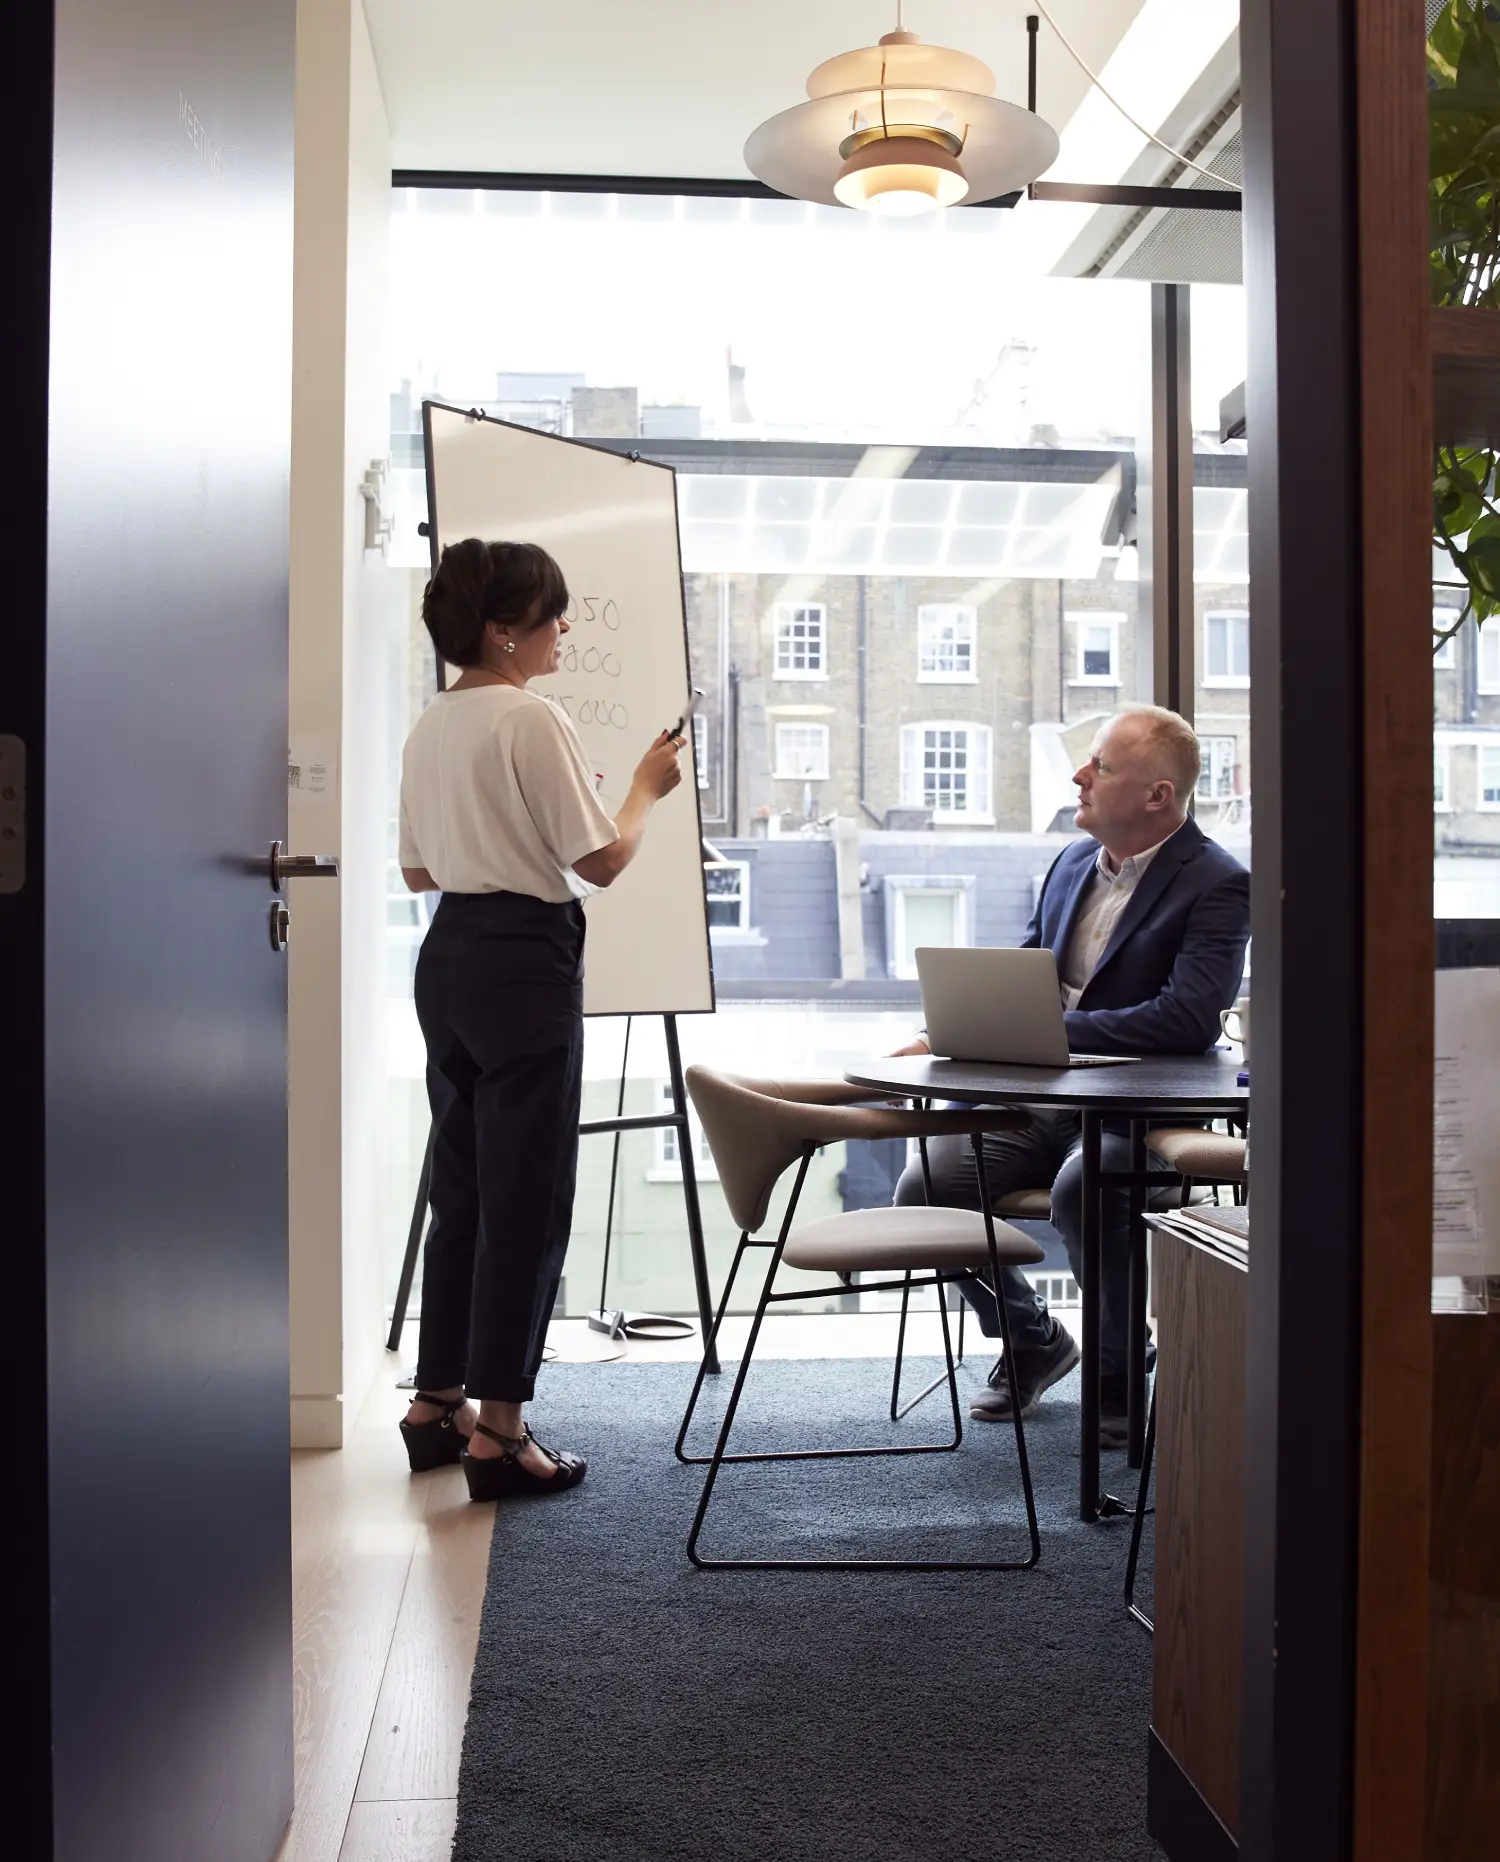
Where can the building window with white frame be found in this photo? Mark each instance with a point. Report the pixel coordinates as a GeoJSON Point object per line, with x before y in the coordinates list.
{"type": "Point", "coordinates": [700, 748]}
{"type": "Point", "coordinates": [1097, 637]}
{"type": "Point", "coordinates": [727, 886]}
{"type": "Point", "coordinates": [1226, 659]}
{"type": "Point", "coordinates": [946, 643]}
{"type": "Point", "coordinates": [1443, 619]}
{"type": "Point", "coordinates": [927, 917]}
{"type": "Point", "coordinates": [1442, 779]}
{"type": "Point", "coordinates": [1489, 775]}
{"type": "Point", "coordinates": [801, 640]}
{"type": "Point", "coordinates": [1489, 657]}
{"type": "Point", "coordinates": [946, 767]}
{"type": "Point", "coordinates": [802, 752]}
{"type": "Point", "coordinates": [666, 1166]}
{"type": "Point", "coordinates": [1216, 777]}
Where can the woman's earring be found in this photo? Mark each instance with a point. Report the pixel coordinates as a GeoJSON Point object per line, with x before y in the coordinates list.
{"type": "Point", "coordinates": [510, 646]}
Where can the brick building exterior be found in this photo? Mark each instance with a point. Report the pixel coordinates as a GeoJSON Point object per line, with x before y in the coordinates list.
{"type": "Point", "coordinates": [907, 701]}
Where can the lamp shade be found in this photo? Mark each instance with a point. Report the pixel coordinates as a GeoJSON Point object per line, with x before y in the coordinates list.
{"type": "Point", "coordinates": [900, 175]}
{"type": "Point", "coordinates": [958, 140]}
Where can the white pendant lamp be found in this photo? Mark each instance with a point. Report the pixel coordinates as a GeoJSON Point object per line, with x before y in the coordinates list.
{"type": "Point", "coordinates": [901, 128]}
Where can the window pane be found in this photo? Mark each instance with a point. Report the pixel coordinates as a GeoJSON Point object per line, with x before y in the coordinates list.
{"type": "Point", "coordinates": [928, 918]}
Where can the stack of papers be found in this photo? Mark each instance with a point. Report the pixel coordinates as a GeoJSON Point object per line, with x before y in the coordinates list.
{"type": "Point", "coordinates": [1222, 1231]}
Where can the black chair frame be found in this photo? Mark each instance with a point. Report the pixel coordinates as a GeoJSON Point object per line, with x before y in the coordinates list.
{"type": "Point", "coordinates": [721, 1455]}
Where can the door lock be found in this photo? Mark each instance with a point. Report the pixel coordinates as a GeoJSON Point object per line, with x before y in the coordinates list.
{"type": "Point", "coordinates": [285, 866]}
{"type": "Point", "coordinates": [281, 925]}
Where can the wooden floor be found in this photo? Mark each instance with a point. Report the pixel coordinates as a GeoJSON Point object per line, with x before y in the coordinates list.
{"type": "Point", "coordinates": [388, 1579]}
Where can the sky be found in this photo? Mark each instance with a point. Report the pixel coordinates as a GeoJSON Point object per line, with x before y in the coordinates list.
{"type": "Point", "coordinates": [847, 326]}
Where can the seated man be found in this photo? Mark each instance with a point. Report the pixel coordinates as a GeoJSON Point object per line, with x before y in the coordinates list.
{"type": "Point", "coordinates": [1149, 928]}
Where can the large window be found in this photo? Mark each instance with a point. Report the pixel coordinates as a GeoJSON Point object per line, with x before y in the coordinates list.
{"type": "Point", "coordinates": [1488, 652]}
{"type": "Point", "coordinates": [801, 648]}
{"type": "Point", "coordinates": [1489, 775]}
{"type": "Point", "coordinates": [945, 643]}
{"type": "Point", "coordinates": [802, 752]}
{"type": "Point", "coordinates": [946, 768]}
{"type": "Point", "coordinates": [887, 555]}
{"type": "Point", "coordinates": [1227, 643]}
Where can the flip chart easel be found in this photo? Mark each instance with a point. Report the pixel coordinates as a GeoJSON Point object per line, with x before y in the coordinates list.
{"type": "Point", "coordinates": [610, 519]}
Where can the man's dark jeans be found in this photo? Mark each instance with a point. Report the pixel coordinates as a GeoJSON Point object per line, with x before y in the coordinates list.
{"type": "Point", "coordinates": [1048, 1149]}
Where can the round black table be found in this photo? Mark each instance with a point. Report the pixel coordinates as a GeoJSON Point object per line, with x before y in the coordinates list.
{"type": "Point", "coordinates": [1158, 1086]}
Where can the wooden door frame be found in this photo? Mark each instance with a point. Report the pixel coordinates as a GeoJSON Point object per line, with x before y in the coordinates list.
{"type": "Point", "coordinates": [1339, 1372]}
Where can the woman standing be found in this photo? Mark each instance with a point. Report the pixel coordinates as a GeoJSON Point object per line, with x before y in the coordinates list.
{"type": "Point", "coordinates": [499, 814]}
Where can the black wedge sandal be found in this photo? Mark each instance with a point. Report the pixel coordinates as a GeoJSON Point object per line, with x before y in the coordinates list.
{"type": "Point", "coordinates": [435, 1444]}
{"type": "Point", "coordinates": [502, 1477]}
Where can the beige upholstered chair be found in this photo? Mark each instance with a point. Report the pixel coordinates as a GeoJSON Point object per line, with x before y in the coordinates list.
{"type": "Point", "coordinates": [756, 1130]}
{"type": "Point", "coordinates": [1200, 1157]}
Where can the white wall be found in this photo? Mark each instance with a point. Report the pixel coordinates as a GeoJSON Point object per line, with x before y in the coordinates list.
{"type": "Point", "coordinates": [339, 617]}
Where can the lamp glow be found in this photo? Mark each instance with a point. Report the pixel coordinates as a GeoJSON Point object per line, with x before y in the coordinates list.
{"type": "Point", "coordinates": [900, 175]}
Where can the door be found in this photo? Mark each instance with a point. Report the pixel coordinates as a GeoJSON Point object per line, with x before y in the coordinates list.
{"type": "Point", "coordinates": [144, 675]}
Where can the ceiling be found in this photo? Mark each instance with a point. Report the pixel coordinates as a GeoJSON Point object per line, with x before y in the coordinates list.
{"type": "Point", "coordinates": [669, 87]}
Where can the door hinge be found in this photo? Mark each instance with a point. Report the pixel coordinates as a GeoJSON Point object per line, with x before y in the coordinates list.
{"type": "Point", "coordinates": [12, 813]}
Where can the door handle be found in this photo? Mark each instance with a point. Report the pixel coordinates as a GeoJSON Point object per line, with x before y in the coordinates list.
{"type": "Point", "coordinates": [285, 866]}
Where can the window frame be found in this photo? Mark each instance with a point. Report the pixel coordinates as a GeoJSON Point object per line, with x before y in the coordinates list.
{"type": "Point", "coordinates": [743, 868]}
{"type": "Point", "coordinates": [934, 614]}
{"type": "Point", "coordinates": [785, 613]}
{"type": "Point", "coordinates": [1444, 659]}
{"type": "Point", "coordinates": [1082, 619]}
{"type": "Point", "coordinates": [1487, 682]}
{"type": "Point", "coordinates": [1226, 681]}
{"type": "Point", "coordinates": [1442, 760]}
{"type": "Point", "coordinates": [1213, 794]}
{"type": "Point", "coordinates": [1483, 751]}
{"type": "Point", "coordinates": [780, 772]}
{"type": "Point", "coordinates": [904, 889]}
{"type": "Point", "coordinates": [913, 788]}
{"type": "Point", "coordinates": [700, 748]}
{"type": "Point", "coordinates": [665, 1169]}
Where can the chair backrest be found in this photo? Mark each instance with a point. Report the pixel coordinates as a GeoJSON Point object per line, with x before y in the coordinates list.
{"type": "Point", "coordinates": [751, 1136]}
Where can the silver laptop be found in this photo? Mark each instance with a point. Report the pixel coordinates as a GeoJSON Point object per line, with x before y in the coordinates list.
{"type": "Point", "coordinates": [1002, 1006]}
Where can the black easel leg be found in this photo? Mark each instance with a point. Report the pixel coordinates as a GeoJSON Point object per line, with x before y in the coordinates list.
{"type": "Point", "coordinates": [413, 1248]}
{"type": "Point", "coordinates": [690, 1197]}
{"type": "Point", "coordinates": [614, 1172]}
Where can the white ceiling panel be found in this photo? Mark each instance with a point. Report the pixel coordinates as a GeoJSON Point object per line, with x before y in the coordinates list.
{"type": "Point", "coordinates": [668, 87]}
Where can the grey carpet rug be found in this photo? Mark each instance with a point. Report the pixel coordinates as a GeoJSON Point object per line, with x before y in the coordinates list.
{"type": "Point", "coordinates": [627, 1708]}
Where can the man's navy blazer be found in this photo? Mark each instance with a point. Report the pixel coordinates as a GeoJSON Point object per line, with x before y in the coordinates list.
{"type": "Point", "coordinates": [1177, 954]}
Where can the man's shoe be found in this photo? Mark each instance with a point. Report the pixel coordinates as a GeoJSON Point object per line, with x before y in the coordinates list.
{"type": "Point", "coordinates": [1036, 1370]}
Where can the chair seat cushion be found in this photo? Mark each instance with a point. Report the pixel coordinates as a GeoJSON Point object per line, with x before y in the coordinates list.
{"type": "Point", "coordinates": [915, 1237]}
{"type": "Point", "coordinates": [1033, 1205]}
{"type": "Point", "coordinates": [1200, 1153]}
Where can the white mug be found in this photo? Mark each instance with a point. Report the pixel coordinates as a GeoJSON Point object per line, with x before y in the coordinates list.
{"type": "Point", "coordinates": [1240, 1016]}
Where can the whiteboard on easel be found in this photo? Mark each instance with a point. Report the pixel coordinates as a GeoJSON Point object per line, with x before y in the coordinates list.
{"type": "Point", "coordinates": [611, 523]}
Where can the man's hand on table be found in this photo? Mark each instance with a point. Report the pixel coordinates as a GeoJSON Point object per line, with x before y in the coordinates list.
{"type": "Point", "coordinates": [919, 1046]}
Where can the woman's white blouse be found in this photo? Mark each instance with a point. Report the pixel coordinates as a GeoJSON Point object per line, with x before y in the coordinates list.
{"type": "Point", "coordinates": [497, 795]}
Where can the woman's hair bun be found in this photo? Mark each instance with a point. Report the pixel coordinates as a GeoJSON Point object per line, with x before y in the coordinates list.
{"type": "Point", "coordinates": [513, 585]}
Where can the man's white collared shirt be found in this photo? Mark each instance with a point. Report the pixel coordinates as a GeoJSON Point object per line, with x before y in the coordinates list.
{"type": "Point", "coordinates": [1109, 892]}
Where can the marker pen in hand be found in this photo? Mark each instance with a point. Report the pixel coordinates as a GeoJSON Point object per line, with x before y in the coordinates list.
{"type": "Point", "coordinates": [693, 703]}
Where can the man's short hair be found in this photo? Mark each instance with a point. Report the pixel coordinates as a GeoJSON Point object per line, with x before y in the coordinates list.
{"type": "Point", "coordinates": [1172, 745]}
